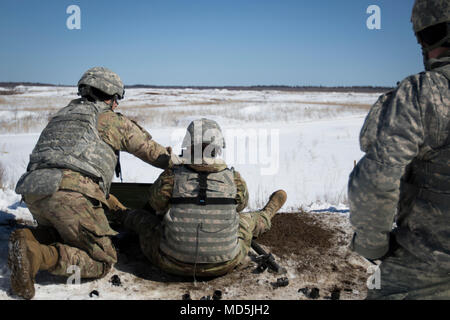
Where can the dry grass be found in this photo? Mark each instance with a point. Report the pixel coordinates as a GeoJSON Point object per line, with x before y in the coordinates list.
{"type": "Point", "coordinates": [27, 114]}
{"type": "Point", "coordinates": [241, 102]}
{"type": "Point", "coordinates": [153, 114]}
{"type": "Point", "coordinates": [26, 124]}
{"type": "Point", "coordinates": [31, 109]}
{"type": "Point", "coordinates": [8, 92]}
{"type": "Point", "coordinates": [361, 106]}
{"type": "Point", "coordinates": [141, 106]}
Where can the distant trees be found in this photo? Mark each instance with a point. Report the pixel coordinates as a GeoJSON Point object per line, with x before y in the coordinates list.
{"type": "Point", "coordinates": [359, 89]}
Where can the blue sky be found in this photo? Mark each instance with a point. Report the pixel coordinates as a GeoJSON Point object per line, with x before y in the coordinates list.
{"type": "Point", "coordinates": [210, 42]}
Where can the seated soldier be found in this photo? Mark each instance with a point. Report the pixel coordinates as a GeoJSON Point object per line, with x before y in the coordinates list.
{"type": "Point", "coordinates": [199, 228]}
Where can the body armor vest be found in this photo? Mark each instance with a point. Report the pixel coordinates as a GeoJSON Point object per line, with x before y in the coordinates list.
{"type": "Point", "coordinates": [432, 176]}
{"type": "Point", "coordinates": [71, 141]}
{"type": "Point", "coordinates": [202, 224]}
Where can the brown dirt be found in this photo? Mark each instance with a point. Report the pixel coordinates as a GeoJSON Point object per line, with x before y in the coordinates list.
{"type": "Point", "coordinates": [295, 234]}
{"type": "Point", "coordinates": [312, 247]}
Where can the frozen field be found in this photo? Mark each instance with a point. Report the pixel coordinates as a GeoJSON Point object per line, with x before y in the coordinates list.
{"type": "Point", "coordinates": [304, 143]}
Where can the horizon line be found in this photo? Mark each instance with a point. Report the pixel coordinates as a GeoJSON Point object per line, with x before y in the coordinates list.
{"type": "Point", "coordinates": [11, 84]}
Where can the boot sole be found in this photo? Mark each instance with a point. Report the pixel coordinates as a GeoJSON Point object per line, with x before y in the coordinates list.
{"type": "Point", "coordinates": [22, 283]}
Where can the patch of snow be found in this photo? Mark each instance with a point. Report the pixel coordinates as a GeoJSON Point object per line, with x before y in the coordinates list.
{"type": "Point", "coordinates": [12, 208]}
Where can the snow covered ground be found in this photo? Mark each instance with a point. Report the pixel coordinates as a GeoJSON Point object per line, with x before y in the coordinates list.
{"type": "Point", "coordinates": [304, 143]}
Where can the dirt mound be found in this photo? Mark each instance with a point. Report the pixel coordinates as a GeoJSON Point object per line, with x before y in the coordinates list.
{"type": "Point", "coordinates": [312, 247]}
{"type": "Point", "coordinates": [293, 234]}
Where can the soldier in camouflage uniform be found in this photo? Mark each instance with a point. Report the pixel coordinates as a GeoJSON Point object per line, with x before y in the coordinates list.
{"type": "Point", "coordinates": [199, 228]}
{"type": "Point", "coordinates": [66, 186]}
{"type": "Point", "coordinates": [404, 176]}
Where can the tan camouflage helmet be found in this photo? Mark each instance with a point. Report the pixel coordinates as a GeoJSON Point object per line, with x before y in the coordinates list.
{"type": "Point", "coordinates": [204, 131]}
{"type": "Point", "coordinates": [104, 80]}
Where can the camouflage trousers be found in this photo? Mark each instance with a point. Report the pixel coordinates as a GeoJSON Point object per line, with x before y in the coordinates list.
{"type": "Point", "coordinates": [82, 229]}
{"type": "Point", "coordinates": [404, 277]}
{"type": "Point", "coordinates": [150, 230]}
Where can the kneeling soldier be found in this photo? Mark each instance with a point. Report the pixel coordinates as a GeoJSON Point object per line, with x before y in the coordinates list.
{"type": "Point", "coordinates": [66, 186]}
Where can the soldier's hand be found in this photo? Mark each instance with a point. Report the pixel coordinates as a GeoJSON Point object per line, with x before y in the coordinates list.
{"type": "Point", "coordinates": [174, 159]}
{"type": "Point", "coordinates": [114, 204]}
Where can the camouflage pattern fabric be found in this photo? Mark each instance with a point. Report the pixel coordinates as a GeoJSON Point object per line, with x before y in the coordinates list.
{"type": "Point", "coordinates": [121, 134]}
{"type": "Point", "coordinates": [83, 228]}
{"type": "Point", "coordinates": [203, 131]}
{"type": "Point", "coordinates": [39, 182]}
{"type": "Point", "coordinates": [71, 140]}
{"type": "Point", "coordinates": [161, 191]}
{"type": "Point", "coordinates": [124, 134]}
{"type": "Point", "coordinates": [202, 233]}
{"type": "Point", "coordinates": [76, 210]}
{"type": "Point", "coordinates": [406, 128]}
{"type": "Point", "coordinates": [427, 13]}
{"type": "Point", "coordinates": [75, 181]}
{"type": "Point", "coordinates": [150, 230]}
{"type": "Point", "coordinates": [404, 277]}
{"type": "Point", "coordinates": [104, 80]}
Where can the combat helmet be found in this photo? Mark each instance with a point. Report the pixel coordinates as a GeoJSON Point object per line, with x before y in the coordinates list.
{"type": "Point", "coordinates": [203, 131]}
{"type": "Point", "coordinates": [100, 81]}
{"type": "Point", "coordinates": [431, 13]}
{"type": "Point", "coordinates": [203, 135]}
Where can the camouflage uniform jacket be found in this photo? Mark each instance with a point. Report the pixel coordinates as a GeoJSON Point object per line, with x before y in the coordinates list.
{"type": "Point", "coordinates": [122, 134]}
{"type": "Point", "coordinates": [406, 128]}
{"type": "Point", "coordinates": [161, 190]}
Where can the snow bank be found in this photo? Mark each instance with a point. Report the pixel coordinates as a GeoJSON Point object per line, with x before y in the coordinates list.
{"type": "Point", "coordinates": [11, 207]}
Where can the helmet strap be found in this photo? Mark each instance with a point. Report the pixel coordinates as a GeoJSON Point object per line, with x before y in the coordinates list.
{"type": "Point", "coordinates": [115, 99]}
{"type": "Point", "coordinates": [428, 48]}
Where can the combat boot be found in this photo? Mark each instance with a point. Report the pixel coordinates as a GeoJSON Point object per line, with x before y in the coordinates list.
{"type": "Point", "coordinates": [276, 201]}
{"type": "Point", "coordinates": [26, 257]}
